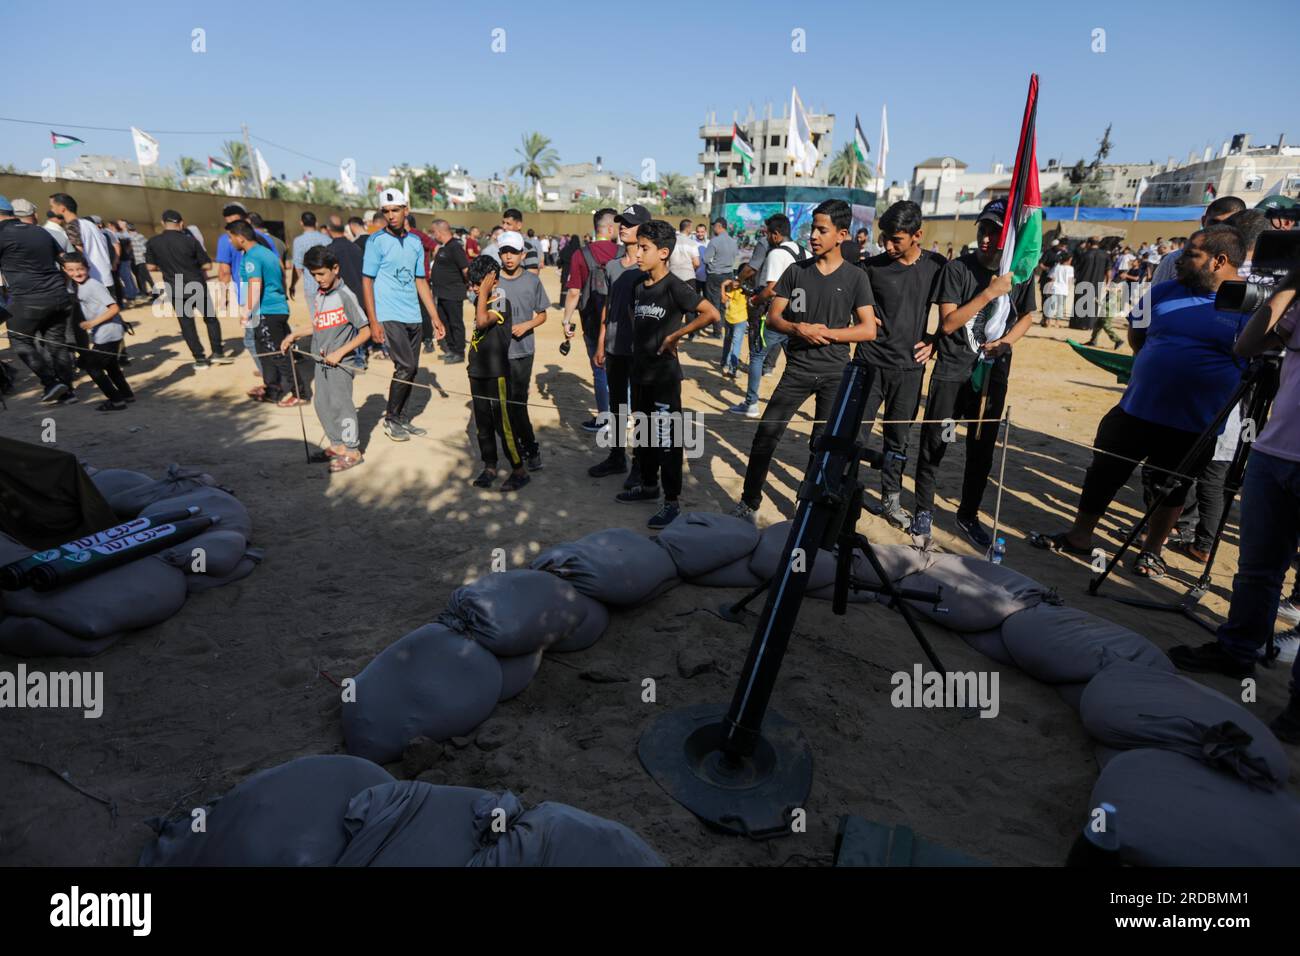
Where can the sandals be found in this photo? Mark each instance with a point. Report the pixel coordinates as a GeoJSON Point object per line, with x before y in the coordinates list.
{"type": "Point", "coordinates": [485, 478]}
{"type": "Point", "coordinates": [322, 457]}
{"type": "Point", "coordinates": [1057, 542]}
{"type": "Point", "coordinates": [290, 401]}
{"type": "Point", "coordinates": [1149, 565]}
{"type": "Point", "coordinates": [514, 482]}
{"type": "Point", "coordinates": [257, 393]}
{"type": "Point", "coordinates": [344, 462]}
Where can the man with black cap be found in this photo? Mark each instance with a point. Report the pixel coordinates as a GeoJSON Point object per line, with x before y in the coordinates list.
{"type": "Point", "coordinates": [183, 264]}
{"type": "Point", "coordinates": [614, 341]}
{"type": "Point", "coordinates": [39, 301]}
{"type": "Point", "coordinates": [973, 348]}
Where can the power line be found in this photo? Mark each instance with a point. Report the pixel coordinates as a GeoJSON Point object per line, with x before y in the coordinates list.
{"type": "Point", "coordinates": [123, 129]}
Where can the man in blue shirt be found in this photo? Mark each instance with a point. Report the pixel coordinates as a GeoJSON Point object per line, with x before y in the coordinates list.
{"type": "Point", "coordinates": [266, 311]}
{"type": "Point", "coordinates": [230, 277]}
{"type": "Point", "coordinates": [311, 236]}
{"type": "Point", "coordinates": [1183, 374]}
{"type": "Point", "coordinates": [393, 288]}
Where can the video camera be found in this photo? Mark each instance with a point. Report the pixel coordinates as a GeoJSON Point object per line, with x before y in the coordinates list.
{"type": "Point", "coordinates": [1277, 254]}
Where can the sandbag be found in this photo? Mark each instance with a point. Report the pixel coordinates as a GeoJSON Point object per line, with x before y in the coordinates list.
{"type": "Point", "coordinates": [194, 583]}
{"type": "Point", "coordinates": [702, 541]}
{"type": "Point", "coordinates": [1128, 706]}
{"type": "Point", "coordinates": [1072, 694]}
{"type": "Point", "coordinates": [897, 560]}
{"type": "Point", "coordinates": [1063, 645]}
{"type": "Point", "coordinates": [617, 567]}
{"type": "Point", "coordinates": [515, 612]}
{"type": "Point", "coordinates": [290, 815]}
{"type": "Point", "coordinates": [32, 637]}
{"type": "Point", "coordinates": [990, 644]}
{"type": "Point", "coordinates": [554, 834]}
{"type": "Point", "coordinates": [431, 683]}
{"type": "Point", "coordinates": [133, 499]}
{"type": "Point", "coordinates": [734, 575]}
{"type": "Point", "coordinates": [411, 823]}
{"type": "Point", "coordinates": [11, 549]}
{"type": "Point", "coordinates": [1172, 810]}
{"type": "Point", "coordinates": [767, 556]}
{"type": "Point", "coordinates": [518, 672]}
{"type": "Point", "coordinates": [222, 551]}
{"type": "Point", "coordinates": [210, 501]}
{"type": "Point", "coordinates": [595, 620]}
{"type": "Point", "coordinates": [976, 595]}
{"type": "Point", "coordinates": [112, 482]}
{"type": "Point", "coordinates": [126, 598]}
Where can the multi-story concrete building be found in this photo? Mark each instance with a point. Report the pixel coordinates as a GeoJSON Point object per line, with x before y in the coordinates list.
{"type": "Point", "coordinates": [945, 186]}
{"type": "Point", "coordinates": [767, 135]}
{"type": "Point", "coordinates": [102, 169]}
{"type": "Point", "coordinates": [1249, 172]}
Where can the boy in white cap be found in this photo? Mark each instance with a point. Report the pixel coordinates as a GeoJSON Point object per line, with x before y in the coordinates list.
{"type": "Point", "coordinates": [393, 288]}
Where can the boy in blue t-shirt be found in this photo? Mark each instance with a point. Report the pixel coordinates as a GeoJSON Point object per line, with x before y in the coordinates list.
{"type": "Point", "coordinates": [266, 310]}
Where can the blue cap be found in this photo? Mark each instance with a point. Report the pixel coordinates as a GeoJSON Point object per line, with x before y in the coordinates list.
{"type": "Point", "coordinates": [6, 206]}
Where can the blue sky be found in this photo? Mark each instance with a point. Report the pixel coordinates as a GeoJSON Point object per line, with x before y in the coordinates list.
{"type": "Point", "coordinates": [418, 82]}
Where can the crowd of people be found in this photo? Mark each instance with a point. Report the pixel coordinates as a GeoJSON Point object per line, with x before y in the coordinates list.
{"type": "Point", "coordinates": [638, 287]}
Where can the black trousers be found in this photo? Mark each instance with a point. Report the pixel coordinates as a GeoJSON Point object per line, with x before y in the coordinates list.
{"type": "Point", "coordinates": [426, 327]}
{"type": "Point", "coordinates": [186, 315]}
{"type": "Point", "coordinates": [618, 372]}
{"type": "Point", "coordinates": [521, 374]}
{"type": "Point", "coordinates": [899, 391]}
{"type": "Point", "coordinates": [143, 278]}
{"type": "Point", "coordinates": [403, 341]}
{"type": "Point", "coordinates": [795, 388]}
{"type": "Point", "coordinates": [104, 370]}
{"type": "Point", "coordinates": [663, 450]}
{"type": "Point", "coordinates": [452, 314]}
{"type": "Point", "coordinates": [495, 419]}
{"type": "Point", "coordinates": [1127, 439]}
{"type": "Point", "coordinates": [42, 333]}
{"type": "Point", "coordinates": [959, 400]}
{"type": "Point", "coordinates": [277, 372]}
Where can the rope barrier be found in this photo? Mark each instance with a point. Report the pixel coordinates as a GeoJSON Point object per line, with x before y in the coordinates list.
{"type": "Point", "coordinates": [556, 407]}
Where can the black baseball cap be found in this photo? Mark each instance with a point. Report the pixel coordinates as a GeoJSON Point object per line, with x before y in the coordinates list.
{"type": "Point", "coordinates": [633, 215]}
{"type": "Point", "coordinates": [171, 215]}
{"type": "Point", "coordinates": [996, 211]}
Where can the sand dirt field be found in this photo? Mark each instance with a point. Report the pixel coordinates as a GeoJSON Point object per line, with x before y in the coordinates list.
{"type": "Point", "coordinates": [240, 679]}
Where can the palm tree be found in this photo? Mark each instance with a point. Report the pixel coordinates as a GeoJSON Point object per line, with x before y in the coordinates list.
{"type": "Point", "coordinates": [537, 158]}
{"type": "Point", "coordinates": [236, 156]}
{"type": "Point", "coordinates": [188, 166]}
{"type": "Point", "coordinates": [675, 190]}
{"type": "Point", "coordinates": [847, 169]}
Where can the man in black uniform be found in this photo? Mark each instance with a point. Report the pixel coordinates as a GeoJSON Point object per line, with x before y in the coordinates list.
{"type": "Point", "coordinates": [973, 348]}
{"type": "Point", "coordinates": [904, 283]}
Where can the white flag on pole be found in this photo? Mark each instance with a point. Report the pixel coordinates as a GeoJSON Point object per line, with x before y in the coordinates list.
{"type": "Point", "coordinates": [348, 177]}
{"type": "Point", "coordinates": [263, 170]}
{"type": "Point", "coordinates": [884, 144]}
{"type": "Point", "coordinates": [1141, 188]}
{"type": "Point", "coordinates": [146, 147]}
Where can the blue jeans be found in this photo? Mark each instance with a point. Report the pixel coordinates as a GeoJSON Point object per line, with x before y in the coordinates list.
{"type": "Point", "coordinates": [250, 345]}
{"type": "Point", "coordinates": [732, 339]}
{"type": "Point", "coordinates": [1270, 531]}
{"type": "Point", "coordinates": [599, 379]}
{"type": "Point", "coordinates": [129, 289]}
{"type": "Point", "coordinates": [756, 356]}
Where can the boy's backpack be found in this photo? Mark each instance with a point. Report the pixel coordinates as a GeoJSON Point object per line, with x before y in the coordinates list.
{"type": "Point", "coordinates": [596, 283]}
{"type": "Point", "coordinates": [796, 250]}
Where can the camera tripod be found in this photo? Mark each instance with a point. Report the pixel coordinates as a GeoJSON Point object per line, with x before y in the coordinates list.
{"type": "Point", "coordinates": [1257, 388]}
{"type": "Point", "coordinates": [744, 769]}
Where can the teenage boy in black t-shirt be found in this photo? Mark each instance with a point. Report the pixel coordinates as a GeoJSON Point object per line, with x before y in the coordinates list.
{"type": "Point", "coordinates": [823, 304]}
{"type": "Point", "coordinates": [659, 304]}
{"type": "Point", "coordinates": [904, 283]}
{"type": "Point", "coordinates": [495, 416]}
{"type": "Point", "coordinates": [968, 295]}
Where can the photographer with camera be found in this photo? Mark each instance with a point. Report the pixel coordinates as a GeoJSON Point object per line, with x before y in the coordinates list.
{"type": "Point", "coordinates": [1183, 373]}
{"type": "Point", "coordinates": [1270, 516]}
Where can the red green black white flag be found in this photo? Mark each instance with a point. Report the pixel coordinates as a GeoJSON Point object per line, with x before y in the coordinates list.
{"type": "Point", "coordinates": [63, 140]}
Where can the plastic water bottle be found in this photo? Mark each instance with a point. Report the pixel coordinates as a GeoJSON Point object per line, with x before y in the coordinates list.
{"type": "Point", "coordinates": [998, 551]}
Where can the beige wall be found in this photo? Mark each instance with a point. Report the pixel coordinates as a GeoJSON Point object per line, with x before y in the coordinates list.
{"type": "Point", "coordinates": [144, 207]}
{"type": "Point", "coordinates": [962, 231]}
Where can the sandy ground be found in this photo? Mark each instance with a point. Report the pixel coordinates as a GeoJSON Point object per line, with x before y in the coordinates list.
{"type": "Point", "coordinates": [235, 682]}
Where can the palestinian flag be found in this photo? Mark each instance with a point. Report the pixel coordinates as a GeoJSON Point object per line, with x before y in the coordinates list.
{"type": "Point", "coordinates": [860, 145]}
{"type": "Point", "coordinates": [220, 167]}
{"type": "Point", "coordinates": [63, 140]}
{"type": "Point", "coordinates": [741, 147]}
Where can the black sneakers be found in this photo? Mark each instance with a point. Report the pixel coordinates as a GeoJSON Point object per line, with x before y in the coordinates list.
{"type": "Point", "coordinates": [638, 493]}
{"type": "Point", "coordinates": [54, 393]}
{"type": "Point", "coordinates": [613, 465]}
{"type": "Point", "coordinates": [1210, 658]}
{"type": "Point", "coordinates": [664, 516]}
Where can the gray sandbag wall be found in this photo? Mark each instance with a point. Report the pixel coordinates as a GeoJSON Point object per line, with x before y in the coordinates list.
{"type": "Point", "coordinates": [86, 617]}
{"type": "Point", "coordinates": [337, 810]}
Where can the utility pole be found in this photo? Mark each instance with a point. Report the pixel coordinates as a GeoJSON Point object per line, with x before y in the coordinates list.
{"type": "Point", "coordinates": [252, 162]}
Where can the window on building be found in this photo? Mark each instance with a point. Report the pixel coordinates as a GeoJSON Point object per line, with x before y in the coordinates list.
{"type": "Point", "coordinates": [1253, 183]}
{"type": "Point", "coordinates": [772, 168]}
{"type": "Point", "coordinates": [774, 141]}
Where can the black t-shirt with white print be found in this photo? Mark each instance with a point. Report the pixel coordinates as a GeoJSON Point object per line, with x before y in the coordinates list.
{"type": "Point", "coordinates": [658, 310]}
{"type": "Point", "coordinates": [828, 300]}
{"type": "Point", "coordinates": [963, 279]}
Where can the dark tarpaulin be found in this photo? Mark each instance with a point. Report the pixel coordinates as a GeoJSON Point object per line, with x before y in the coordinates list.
{"type": "Point", "coordinates": [46, 498]}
